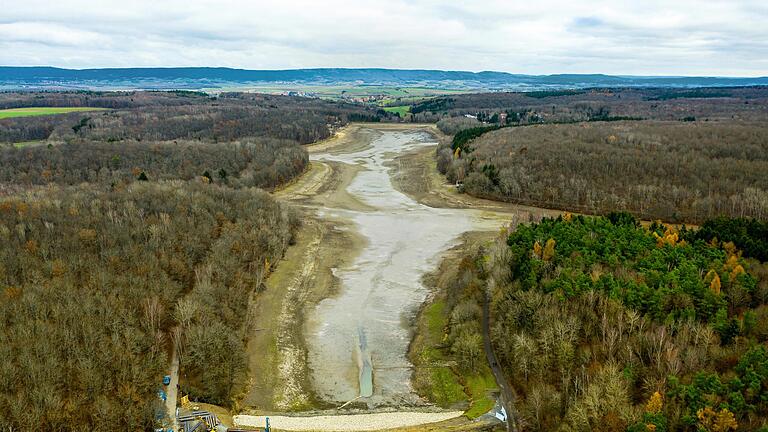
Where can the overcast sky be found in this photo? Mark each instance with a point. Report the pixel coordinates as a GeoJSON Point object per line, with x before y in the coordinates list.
{"type": "Point", "coordinates": [632, 37]}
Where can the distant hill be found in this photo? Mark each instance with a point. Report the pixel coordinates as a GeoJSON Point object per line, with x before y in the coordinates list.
{"type": "Point", "coordinates": [12, 78]}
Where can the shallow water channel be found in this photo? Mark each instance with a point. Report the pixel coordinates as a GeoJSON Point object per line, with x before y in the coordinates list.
{"type": "Point", "coordinates": [358, 339]}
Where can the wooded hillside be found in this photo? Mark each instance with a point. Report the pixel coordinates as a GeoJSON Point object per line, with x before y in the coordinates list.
{"type": "Point", "coordinates": [744, 103]}
{"type": "Point", "coordinates": [160, 116]}
{"type": "Point", "coordinates": [134, 232]}
{"type": "Point", "coordinates": [603, 325]}
{"type": "Point", "coordinates": [260, 162]}
{"type": "Point", "coordinates": [98, 285]}
{"type": "Point", "coordinates": [675, 171]}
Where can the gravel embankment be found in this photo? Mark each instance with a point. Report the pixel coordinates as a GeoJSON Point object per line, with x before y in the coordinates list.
{"type": "Point", "coordinates": [346, 423]}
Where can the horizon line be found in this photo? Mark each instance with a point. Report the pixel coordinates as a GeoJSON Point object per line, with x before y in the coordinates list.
{"type": "Point", "coordinates": [384, 69]}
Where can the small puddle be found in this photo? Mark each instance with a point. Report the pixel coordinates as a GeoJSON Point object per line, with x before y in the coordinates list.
{"type": "Point", "coordinates": [364, 365]}
{"type": "Point", "coordinates": [358, 340]}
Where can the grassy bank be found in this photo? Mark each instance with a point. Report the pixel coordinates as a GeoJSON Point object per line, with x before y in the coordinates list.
{"type": "Point", "coordinates": [439, 375]}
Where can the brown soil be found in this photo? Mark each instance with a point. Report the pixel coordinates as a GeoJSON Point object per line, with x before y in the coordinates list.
{"type": "Point", "coordinates": [324, 184]}
{"type": "Point", "coordinates": [276, 349]}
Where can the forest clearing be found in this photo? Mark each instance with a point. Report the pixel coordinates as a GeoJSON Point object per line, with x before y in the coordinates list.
{"type": "Point", "coordinates": [40, 111]}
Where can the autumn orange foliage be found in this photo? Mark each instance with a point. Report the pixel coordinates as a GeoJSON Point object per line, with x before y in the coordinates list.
{"type": "Point", "coordinates": [537, 249]}
{"type": "Point", "coordinates": [713, 421]}
{"type": "Point", "coordinates": [549, 250]}
{"type": "Point", "coordinates": [655, 403]}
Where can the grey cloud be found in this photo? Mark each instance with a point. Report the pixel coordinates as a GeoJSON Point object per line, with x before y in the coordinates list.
{"type": "Point", "coordinates": [587, 22]}
{"type": "Point", "coordinates": [547, 36]}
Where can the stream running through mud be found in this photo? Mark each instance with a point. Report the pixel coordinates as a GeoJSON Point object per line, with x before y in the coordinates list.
{"type": "Point", "coordinates": [358, 339]}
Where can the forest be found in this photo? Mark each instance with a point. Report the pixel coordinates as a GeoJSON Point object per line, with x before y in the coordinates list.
{"type": "Point", "coordinates": [162, 116]}
{"type": "Point", "coordinates": [238, 139]}
{"type": "Point", "coordinates": [98, 283]}
{"type": "Point", "coordinates": [601, 324]}
{"type": "Point", "coordinates": [128, 234]}
{"type": "Point", "coordinates": [737, 103]}
{"type": "Point", "coordinates": [260, 162]}
{"type": "Point", "coordinates": [749, 235]}
{"type": "Point", "coordinates": [674, 171]}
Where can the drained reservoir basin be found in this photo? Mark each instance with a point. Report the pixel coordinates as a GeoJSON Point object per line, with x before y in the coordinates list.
{"type": "Point", "coordinates": [358, 338]}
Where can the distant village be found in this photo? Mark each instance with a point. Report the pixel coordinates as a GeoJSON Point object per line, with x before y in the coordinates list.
{"type": "Point", "coordinates": [356, 99]}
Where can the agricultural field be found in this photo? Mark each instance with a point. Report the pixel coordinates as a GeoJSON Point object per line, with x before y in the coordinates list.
{"type": "Point", "coordinates": [400, 110]}
{"type": "Point", "coordinates": [42, 111]}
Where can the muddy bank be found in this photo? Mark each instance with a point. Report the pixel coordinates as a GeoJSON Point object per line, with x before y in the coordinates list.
{"type": "Point", "coordinates": [279, 377]}
{"type": "Point", "coordinates": [350, 138]}
{"type": "Point", "coordinates": [437, 377]}
{"type": "Point", "coordinates": [357, 137]}
{"type": "Point", "coordinates": [324, 185]}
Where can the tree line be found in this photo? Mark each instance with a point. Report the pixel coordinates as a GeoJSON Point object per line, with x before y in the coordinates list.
{"type": "Point", "coordinates": [658, 170]}
{"type": "Point", "coordinates": [160, 116]}
{"type": "Point", "coordinates": [556, 106]}
{"type": "Point", "coordinates": [601, 324]}
{"type": "Point", "coordinates": [259, 162]}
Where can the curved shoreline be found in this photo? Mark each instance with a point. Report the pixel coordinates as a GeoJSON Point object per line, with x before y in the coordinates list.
{"type": "Point", "coordinates": [327, 242]}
